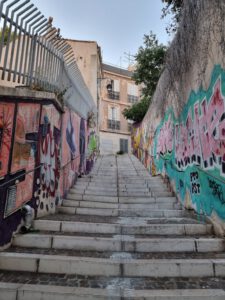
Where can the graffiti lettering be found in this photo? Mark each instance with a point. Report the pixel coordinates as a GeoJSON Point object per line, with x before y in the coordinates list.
{"type": "Point", "coordinates": [195, 185]}
{"type": "Point", "coordinates": [200, 139]}
{"type": "Point", "coordinates": [217, 190]}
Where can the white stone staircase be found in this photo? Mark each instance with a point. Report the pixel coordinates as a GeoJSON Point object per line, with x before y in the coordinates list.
{"type": "Point", "coordinates": [120, 234]}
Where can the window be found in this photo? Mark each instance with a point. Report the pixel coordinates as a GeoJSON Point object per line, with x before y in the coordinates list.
{"type": "Point", "coordinates": [113, 117]}
{"type": "Point", "coordinates": [132, 93]}
{"type": "Point", "coordinates": [113, 88]}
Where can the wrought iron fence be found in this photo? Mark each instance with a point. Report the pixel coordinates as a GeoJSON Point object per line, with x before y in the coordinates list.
{"type": "Point", "coordinates": [32, 51]}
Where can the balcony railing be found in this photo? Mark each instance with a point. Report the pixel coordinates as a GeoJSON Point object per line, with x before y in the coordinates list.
{"type": "Point", "coordinates": [113, 124]}
{"type": "Point", "coordinates": [132, 99]}
{"type": "Point", "coordinates": [114, 95]}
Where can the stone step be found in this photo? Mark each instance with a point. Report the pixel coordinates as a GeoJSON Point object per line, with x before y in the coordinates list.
{"type": "Point", "coordinates": [119, 243]}
{"type": "Point", "coordinates": [95, 204]}
{"type": "Point", "coordinates": [101, 192]}
{"type": "Point", "coordinates": [122, 220]}
{"type": "Point", "coordinates": [99, 198]}
{"type": "Point", "coordinates": [125, 228]}
{"type": "Point", "coordinates": [123, 199]}
{"type": "Point", "coordinates": [18, 291]}
{"type": "Point", "coordinates": [145, 194]}
{"type": "Point", "coordinates": [147, 200]}
{"type": "Point", "coordinates": [122, 212]}
{"type": "Point", "coordinates": [115, 266]}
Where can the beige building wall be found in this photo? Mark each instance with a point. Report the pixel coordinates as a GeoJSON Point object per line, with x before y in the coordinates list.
{"type": "Point", "coordinates": [110, 142]}
{"type": "Point", "coordinates": [88, 59]}
{"type": "Point", "coordinates": [113, 125]}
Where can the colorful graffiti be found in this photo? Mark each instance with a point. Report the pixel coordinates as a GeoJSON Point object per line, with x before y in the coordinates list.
{"type": "Point", "coordinates": [142, 145]}
{"type": "Point", "coordinates": [83, 139]}
{"type": "Point", "coordinates": [42, 152]}
{"type": "Point", "coordinates": [190, 149]}
{"type": "Point", "coordinates": [70, 153]}
{"type": "Point", "coordinates": [6, 126]}
{"type": "Point", "coordinates": [47, 181]}
{"type": "Point", "coordinates": [92, 149]}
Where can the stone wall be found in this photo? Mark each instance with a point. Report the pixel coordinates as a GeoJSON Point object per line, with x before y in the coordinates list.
{"type": "Point", "coordinates": [182, 135]}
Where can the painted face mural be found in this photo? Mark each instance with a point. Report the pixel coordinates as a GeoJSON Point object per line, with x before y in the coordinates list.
{"type": "Point", "coordinates": [191, 148]}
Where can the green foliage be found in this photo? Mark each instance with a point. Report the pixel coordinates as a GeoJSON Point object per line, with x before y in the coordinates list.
{"type": "Point", "coordinates": [149, 66]}
{"type": "Point", "coordinates": [6, 32]}
{"type": "Point", "coordinates": [137, 111]}
{"type": "Point", "coordinates": [150, 62]}
{"type": "Point", "coordinates": [173, 7]}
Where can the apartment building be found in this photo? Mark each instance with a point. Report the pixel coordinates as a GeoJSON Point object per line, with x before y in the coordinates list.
{"type": "Point", "coordinates": [118, 91]}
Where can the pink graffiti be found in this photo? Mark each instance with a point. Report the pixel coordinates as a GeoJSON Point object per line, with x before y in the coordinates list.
{"type": "Point", "coordinates": [201, 138]}
{"type": "Point", "coordinates": [165, 139]}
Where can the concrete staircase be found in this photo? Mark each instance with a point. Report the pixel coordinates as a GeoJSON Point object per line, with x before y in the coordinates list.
{"type": "Point", "coordinates": [120, 234]}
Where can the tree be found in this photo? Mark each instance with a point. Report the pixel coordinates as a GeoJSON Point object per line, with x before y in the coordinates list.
{"type": "Point", "coordinates": [137, 111]}
{"type": "Point", "coordinates": [149, 65]}
{"type": "Point", "coordinates": [173, 7]}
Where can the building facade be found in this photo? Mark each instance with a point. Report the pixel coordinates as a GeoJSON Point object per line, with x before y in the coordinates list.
{"type": "Point", "coordinates": [118, 91]}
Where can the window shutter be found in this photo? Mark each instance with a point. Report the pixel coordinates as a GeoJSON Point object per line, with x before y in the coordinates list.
{"type": "Point", "coordinates": [116, 85]}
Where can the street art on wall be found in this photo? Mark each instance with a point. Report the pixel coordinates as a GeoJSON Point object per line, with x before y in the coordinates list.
{"type": "Point", "coordinates": [26, 137]}
{"type": "Point", "coordinates": [83, 139]}
{"type": "Point", "coordinates": [190, 149]}
{"type": "Point", "coordinates": [142, 145]}
{"type": "Point", "coordinates": [70, 153]}
{"type": "Point", "coordinates": [6, 126]}
{"type": "Point", "coordinates": [23, 156]}
{"type": "Point", "coordinates": [47, 182]}
{"type": "Point", "coordinates": [42, 151]}
{"type": "Point", "coordinates": [91, 149]}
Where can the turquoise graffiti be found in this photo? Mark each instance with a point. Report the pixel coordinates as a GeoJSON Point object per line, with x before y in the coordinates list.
{"type": "Point", "coordinates": [190, 149]}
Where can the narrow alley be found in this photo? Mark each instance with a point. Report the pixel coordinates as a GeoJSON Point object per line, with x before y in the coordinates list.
{"type": "Point", "coordinates": [120, 234]}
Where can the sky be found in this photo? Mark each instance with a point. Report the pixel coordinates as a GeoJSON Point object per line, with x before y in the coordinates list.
{"type": "Point", "coordinates": [118, 26]}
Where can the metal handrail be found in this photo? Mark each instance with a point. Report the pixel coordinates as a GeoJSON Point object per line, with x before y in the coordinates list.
{"type": "Point", "coordinates": [19, 176]}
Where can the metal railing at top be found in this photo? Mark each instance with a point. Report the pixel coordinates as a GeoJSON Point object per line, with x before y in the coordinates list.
{"type": "Point", "coordinates": [32, 51]}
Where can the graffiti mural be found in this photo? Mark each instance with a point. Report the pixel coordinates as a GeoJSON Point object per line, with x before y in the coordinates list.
{"type": "Point", "coordinates": [6, 126]}
{"type": "Point", "coordinates": [190, 149]}
{"type": "Point", "coordinates": [83, 139]}
{"type": "Point", "coordinates": [142, 140]}
{"type": "Point", "coordinates": [26, 137]}
{"type": "Point", "coordinates": [42, 152]}
{"type": "Point", "coordinates": [91, 149]}
{"type": "Point", "coordinates": [47, 181]}
{"type": "Point", "coordinates": [23, 156]}
{"type": "Point", "coordinates": [70, 151]}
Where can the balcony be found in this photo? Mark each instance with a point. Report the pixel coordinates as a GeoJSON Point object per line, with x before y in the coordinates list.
{"type": "Point", "coordinates": [114, 95]}
{"type": "Point", "coordinates": [113, 124]}
{"type": "Point", "coordinates": [132, 99]}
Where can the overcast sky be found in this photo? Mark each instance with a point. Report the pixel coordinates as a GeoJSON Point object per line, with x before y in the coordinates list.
{"type": "Point", "coordinates": [118, 26]}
